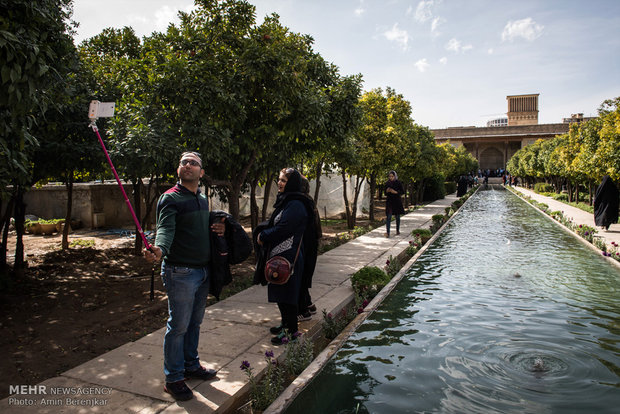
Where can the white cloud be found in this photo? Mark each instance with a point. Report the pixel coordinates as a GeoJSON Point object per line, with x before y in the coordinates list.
{"type": "Point", "coordinates": [435, 24]}
{"type": "Point", "coordinates": [409, 11]}
{"type": "Point", "coordinates": [423, 12]}
{"type": "Point", "coordinates": [163, 17]}
{"type": "Point", "coordinates": [526, 28]}
{"type": "Point", "coordinates": [443, 60]}
{"type": "Point", "coordinates": [490, 51]}
{"type": "Point", "coordinates": [359, 11]}
{"type": "Point", "coordinates": [398, 36]}
{"type": "Point", "coordinates": [133, 19]}
{"type": "Point", "coordinates": [422, 65]}
{"type": "Point", "coordinates": [455, 45]}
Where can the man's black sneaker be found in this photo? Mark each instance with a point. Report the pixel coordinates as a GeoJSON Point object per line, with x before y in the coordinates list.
{"type": "Point", "coordinates": [276, 329]}
{"type": "Point", "coordinates": [201, 373]}
{"type": "Point", "coordinates": [305, 316]}
{"type": "Point", "coordinates": [312, 308]}
{"type": "Point", "coordinates": [179, 390]}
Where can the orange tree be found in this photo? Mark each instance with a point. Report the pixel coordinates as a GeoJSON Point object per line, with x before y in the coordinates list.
{"type": "Point", "coordinates": [138, 138]}
{"type": "Point", "coordinates": [34, 40]}
{"type": "Point", "coordinates": [239, 92]}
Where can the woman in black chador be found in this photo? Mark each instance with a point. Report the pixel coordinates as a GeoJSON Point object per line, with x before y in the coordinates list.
{"type": "Point", "coordinates": [290, 233]}
{"type": "Point", "coordinates": [606, 203]}
{"type": "Point", "coordinates": [393, 204]}
{"type": "Point", "coordinates": [461, 186]}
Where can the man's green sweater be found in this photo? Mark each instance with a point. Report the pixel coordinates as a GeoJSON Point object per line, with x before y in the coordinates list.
{"type": "Point", "coordinates": [183, 227]}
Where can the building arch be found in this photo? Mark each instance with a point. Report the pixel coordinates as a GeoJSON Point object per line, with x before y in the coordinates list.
{"type": "Point", "coordinates": [491, 158]}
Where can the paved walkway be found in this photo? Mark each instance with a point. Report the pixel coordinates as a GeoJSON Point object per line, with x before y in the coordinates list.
{"type": "Point", "coordinates": [130, 378]}
{"type": "Point", "coordinates": [579, 216]}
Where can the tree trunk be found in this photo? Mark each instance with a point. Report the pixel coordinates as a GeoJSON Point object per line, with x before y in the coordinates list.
{"type": "Point", "coordinates": [6, 222]}
{"type": "Point", "coordinates": [266, 196]}
{"type": "Point", "coordinates": [373, 189]}
{"type": "Point", "coordinates": [137, 204]}
{"type": "Point", "coordinates": [234, 189]}
{"type": "Point", "coordinates": [318, 171]}
{"type": "Point", "coordinates": [350, 222]}
{"type": "Point", "coordinates": [359, 182]}
{"type": "Point", "coordinates": [151, 196]}
{"type": "Point", "coordinates": [253, 203]}
{"type": "Point", "coordinates": [67, 226]}
{"type": "Point", "coordinates": [20, 213]}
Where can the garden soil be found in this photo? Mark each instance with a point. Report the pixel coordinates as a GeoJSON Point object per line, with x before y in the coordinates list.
{"type": "Point", "coordinates": [74, 305]}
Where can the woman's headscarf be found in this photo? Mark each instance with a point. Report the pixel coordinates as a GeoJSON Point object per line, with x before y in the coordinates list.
{"type": "Point", "coordinates": [395, 175]}
{"type": "Point", "coordinates": [293, 185]}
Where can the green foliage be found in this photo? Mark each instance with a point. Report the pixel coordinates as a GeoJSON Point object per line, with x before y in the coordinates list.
{"type": "Point", "coordinates": [264, 390]}
{"type": "Point", "coordinates": [438, 219]}
{"type": "Point", "coordinates": [587, 232]}
{"type": "Point", "coordinates": [434, 189]}
{"type": "Point", "coordinates": [412, 248]}
{"type": "Point", "coordinates": [368, 281]}
{"type": "Point", "coordinates": [456, 161]}
{"type": "Point", "coordinates": [584, 155]}
{"type": "Point", "coordinates": [392, 266]}
{"type": "Point", "coordinates": [450, 187]}
{"type": "Point", "coordinates": [35, 46]}
{"type": "Point", "coordinates": [82, 243]}
{"type": "Point", "coordinates": [299, 354]}
{"type": "Point", "coordinates": [332, 325]}
{"type": "Point", "coordinates": [421, 233]}
{"type": "Point", "coordinates": [543, 188]}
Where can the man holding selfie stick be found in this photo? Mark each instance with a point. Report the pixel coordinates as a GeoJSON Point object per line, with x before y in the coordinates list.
{"type": "Point", "coordinates": [182, 241]}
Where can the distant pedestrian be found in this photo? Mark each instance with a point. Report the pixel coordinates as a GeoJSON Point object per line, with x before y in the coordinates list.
{"type": "Point", "coordinates": [461, 186]}
{"type": "Point", "coordinates": [606, 203]}
{"type": "Point", "coordinates": [393, 204]}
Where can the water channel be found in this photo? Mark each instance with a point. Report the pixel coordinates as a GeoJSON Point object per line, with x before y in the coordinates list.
{"type": "Point", "coordinates": [505, 313]}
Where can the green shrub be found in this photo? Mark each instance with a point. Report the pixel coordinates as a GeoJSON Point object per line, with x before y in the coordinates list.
{"type": "Point", "coordinates": [543, 188]}
{"type": "Point", "coordinates": [368, 281]}
{"type": "Point", "coordinates": [333, 325]}
{"type": "Point", "coordinates": [392, 266]}
{"type": "Point", "coordinates": [560, 197]}
{"type": "Point", "coordinates": [421, 232]}
{"type": "Point", "coordinates": [586, 232]}
{"type": "Point", "coordinates": [450, 187]}
{"type": "Point", "coordinates": [299, 354]}
{"type": "Point", "coordinates": [434, 189]}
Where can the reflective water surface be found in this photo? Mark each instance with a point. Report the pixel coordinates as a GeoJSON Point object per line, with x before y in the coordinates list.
{"type": "Point", "coordinates": [505, 312]}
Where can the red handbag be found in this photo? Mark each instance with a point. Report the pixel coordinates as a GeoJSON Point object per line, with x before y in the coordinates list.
{"type": "Point", "coordinates": [278, 269]}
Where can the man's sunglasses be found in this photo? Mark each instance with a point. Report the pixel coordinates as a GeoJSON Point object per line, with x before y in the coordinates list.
{"type": "Point", "coordinates": [193, 163]}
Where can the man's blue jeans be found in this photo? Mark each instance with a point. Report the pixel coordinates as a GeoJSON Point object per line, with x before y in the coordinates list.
{"type": "Point", "coordinates": [187, 290]}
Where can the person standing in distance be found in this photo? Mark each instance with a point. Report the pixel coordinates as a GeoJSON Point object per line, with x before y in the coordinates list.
{"type": "Point", "coordinates": [182, 240]}
{"type": "Point", "coordinates": [393, 204]}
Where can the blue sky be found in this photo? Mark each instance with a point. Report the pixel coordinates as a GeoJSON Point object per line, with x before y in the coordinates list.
{"type": "Point", "coordinates": [454, 60]}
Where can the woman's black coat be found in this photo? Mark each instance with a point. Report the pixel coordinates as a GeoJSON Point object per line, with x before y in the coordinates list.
{"type": "Point", "coordinates": [606, 203]}
{"type": "Point", "coordinates": [393, 203]}
{"type": "Point", "coordinates": [296, 218]}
